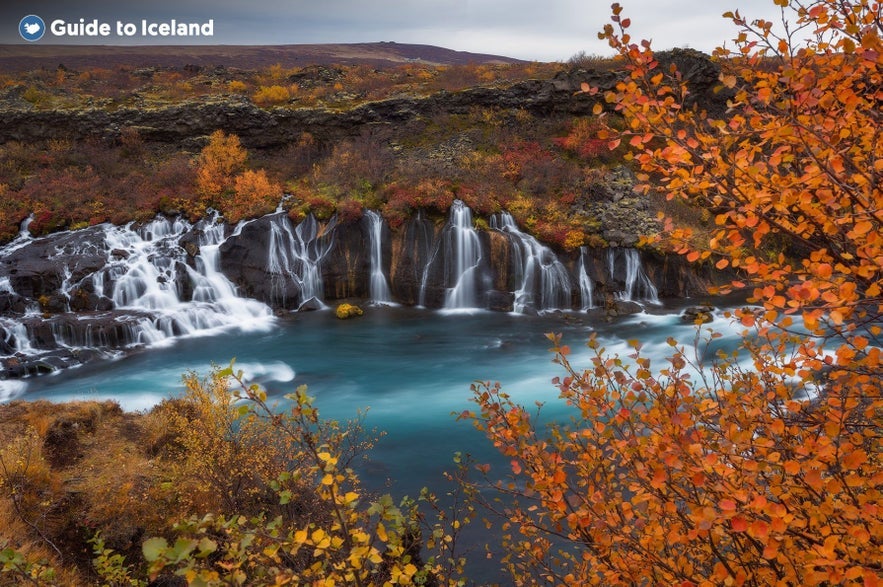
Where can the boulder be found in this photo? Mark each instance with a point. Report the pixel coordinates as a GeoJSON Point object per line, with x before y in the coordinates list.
{"type": "Point", "coordinates": [698, 314]}
{"type": "Point", "coordinates": [346, 311]}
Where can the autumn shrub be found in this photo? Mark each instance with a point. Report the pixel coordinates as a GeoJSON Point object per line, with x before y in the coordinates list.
{"type": "Point", "coordinates": [582, 140]}
{"type": "Point", "coordinates": [758, 466]}
{"type": "Point", "coordinates": [480, 198]}
{"type": "Point", "coordinates": [365, 158]}
{"type": "Point", "coordinates": [217, 165]}
{"type": "Point", "coordinates": [236, 87]}
{"type": "Point", "coordinates": [319, 203]}
{"type": "Point", "coordinates": [270, 95]}
{"type": "Point", "coordinates": [344, 537]}
{"type": "Point", "coordinates": [349, 211]}
{"type": "Point", "coordinates": [254, 194]}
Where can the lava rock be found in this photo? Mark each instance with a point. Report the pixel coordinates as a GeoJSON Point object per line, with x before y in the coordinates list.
{"type": "Point", "coordinates": [698, 314]}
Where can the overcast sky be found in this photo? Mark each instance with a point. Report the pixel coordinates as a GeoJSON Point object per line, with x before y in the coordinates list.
{"type": "Point", "coordinates": [542, 30]}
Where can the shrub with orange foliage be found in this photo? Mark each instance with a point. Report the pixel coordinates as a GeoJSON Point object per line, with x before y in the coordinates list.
{"type": "Point", "coordinates": [254, 194]}
{"type": "Point", "coordinates": [218, 164]}
{"type": "Point", "coordinates": [763, 469]}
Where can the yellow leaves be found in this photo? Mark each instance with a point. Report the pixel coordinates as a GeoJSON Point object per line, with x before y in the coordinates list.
{"type": "Point", "coordinates": [381, 532]}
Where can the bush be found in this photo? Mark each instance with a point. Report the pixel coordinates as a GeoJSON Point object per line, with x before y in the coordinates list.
{"type": "Point", "coordinates": [269, 95]}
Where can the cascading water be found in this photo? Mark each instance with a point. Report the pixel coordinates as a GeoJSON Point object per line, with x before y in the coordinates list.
{"type": "Point", "coordinates": [144, 282]}
{"type": "Point", "coordinates": [23, 229]}
{"type": "Point", "coordinates": [295, 255]}
{"type": "Point", "coordinates": [637, 285]}
{"type": "Point", "coordinates": [378, 284]}
{"type": "Point", "coordinates": [585, 282]}
{"type": "Point", "coordinates": [459, 250]}
{"type": "Point", "coordinates": [544, 281]}
{"type": "Point", "coordinates": [24, 236]}
{"type": "Point", "coordinates": [465, 254]}
{"type": "Point", "coordinates": [152, 278]}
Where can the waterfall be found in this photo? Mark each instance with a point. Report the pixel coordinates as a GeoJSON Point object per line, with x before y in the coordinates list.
{"type": "Point", "coordinates": [464, 254]}
{"type": "Point", "coordinates": [144, 280]}
{"type": "Point", "coordinates": [544, 282]}
{"type": "Point", "coordinates": [23, 228]}
{"type": "Point", "coordinates": [15, 338]}
{"type": "Point", "coordinates": [23, 239]}
{"type": "Point", "coordinates": [585, 282]}
{"type": "Point", "coordinates": [150, 280]}
{"type": "Point", "coordinates": [294, 257]}
{"type": "Point", "coordinates": [379, 286]}
{"type": "Point", "coordinates": [459, 250]}
{"type": "Point", "coordinates": [637, 285]}
{"type": "Point", "coordinates": [145, 290]}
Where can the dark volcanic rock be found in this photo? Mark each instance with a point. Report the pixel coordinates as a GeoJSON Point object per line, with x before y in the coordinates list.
{"type": "Point", "coordinates": [245, 258]}
{"type": "Point", "coordinates": [35, 270]}
{"type": "Point", "coordinates": [500, 301]}
{"type": "Point", "coordinates": [346, 269]}
{"type": "Point", "coordinates": [702, 77]}
{"type": "Point", "coordinates": [191, 122]}
{"type": "Point", "coordinates": [698, 314]}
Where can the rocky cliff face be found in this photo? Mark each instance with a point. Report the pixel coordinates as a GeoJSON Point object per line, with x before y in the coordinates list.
{"type": "Point", "coordinates": [264, 128]}
{"type": "Point", "coordinates": [69, 297]}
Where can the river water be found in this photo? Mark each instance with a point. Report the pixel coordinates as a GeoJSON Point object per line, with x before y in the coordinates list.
{"type": "Point", "coordinates": [411, 369]}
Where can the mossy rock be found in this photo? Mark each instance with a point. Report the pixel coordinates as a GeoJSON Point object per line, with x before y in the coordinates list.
{"type": "Point", "coordinates": [345, 311]}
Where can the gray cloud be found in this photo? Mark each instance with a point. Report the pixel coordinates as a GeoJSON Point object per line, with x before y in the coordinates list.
{"type": "Point", "coordinates": [551, 30]}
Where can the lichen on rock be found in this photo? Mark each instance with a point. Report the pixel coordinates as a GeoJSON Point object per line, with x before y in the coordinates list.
{"type": "Point", "coordinates": [345, 311]}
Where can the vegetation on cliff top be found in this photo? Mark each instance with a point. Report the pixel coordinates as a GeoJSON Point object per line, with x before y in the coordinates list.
{"type": "Point", "coordinates": [549, 170]}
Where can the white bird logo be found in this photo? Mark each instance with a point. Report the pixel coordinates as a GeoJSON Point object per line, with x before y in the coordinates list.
{"type": "Point", "coordinates": [32, 28]}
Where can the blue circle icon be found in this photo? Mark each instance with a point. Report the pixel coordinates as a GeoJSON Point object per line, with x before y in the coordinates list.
{"type": "Point", "coordinates": [31, 28]}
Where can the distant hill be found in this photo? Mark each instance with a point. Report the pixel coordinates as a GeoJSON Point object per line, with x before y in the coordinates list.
{"type": "Point", "coordinates": [26, 57]}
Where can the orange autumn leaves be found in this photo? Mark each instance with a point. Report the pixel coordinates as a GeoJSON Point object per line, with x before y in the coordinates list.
{"type": "Point", "coordinates": [756, 468]}
{"type": "Point", "coordinates": [223, 182]}
{"type": "Point", "coordinates": [791, 171]}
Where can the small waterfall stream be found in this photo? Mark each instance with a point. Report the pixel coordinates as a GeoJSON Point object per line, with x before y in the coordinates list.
{"type": "Point", "coordinates": [295, 256]}
{"type": "Point", "coordinates": [544, 280]}
{"type": "Point", "coordinates": [462, 259]}
{"type": "Point", "coordinates": [638, 287]}
{"type": "Point", "coordinates": [378, 284]}
{"type": "Point", "coordinates": [585, 282]}
{"type": "Point", "coordinates": [458, 250]}
{"type": "Point", "coordinates": [151, 280]}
